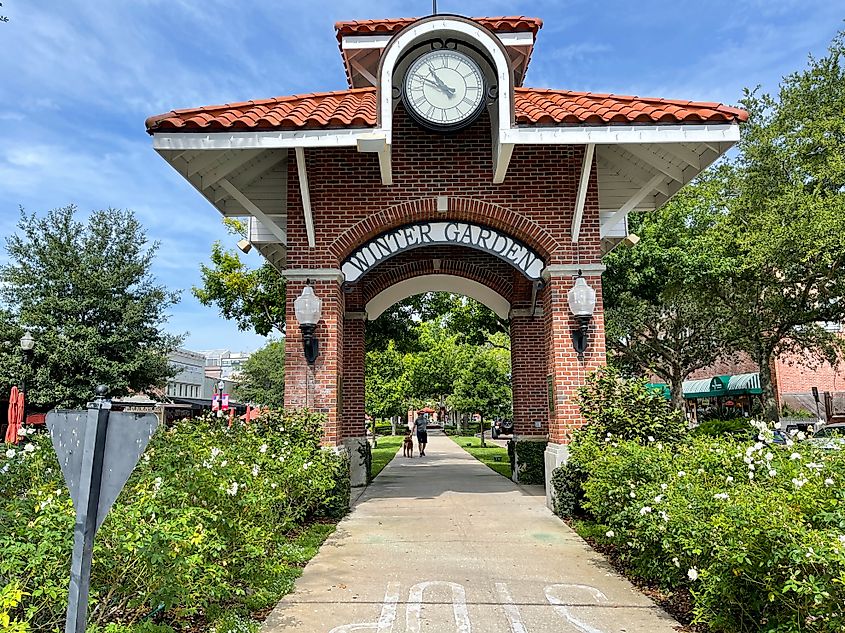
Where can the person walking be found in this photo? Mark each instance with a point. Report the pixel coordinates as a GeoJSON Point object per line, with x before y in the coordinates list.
{"type": "Point", "coordinates": [421, 427]}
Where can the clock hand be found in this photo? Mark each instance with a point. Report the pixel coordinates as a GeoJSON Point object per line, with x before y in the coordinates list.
{"type": "Point", "coordinates": [441, 85]}
{"type": "Point", "coordinates": [442, 88]}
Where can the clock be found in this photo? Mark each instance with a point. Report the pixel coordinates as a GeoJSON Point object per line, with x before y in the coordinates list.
{"type": "Point", "coordinates": [444, 90]}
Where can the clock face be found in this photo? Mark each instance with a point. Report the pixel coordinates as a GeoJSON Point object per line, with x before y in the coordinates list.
{"type": "Point", "coordinates": [444, 89]}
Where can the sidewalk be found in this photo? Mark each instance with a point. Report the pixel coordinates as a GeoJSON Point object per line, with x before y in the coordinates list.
{"type": "Point", "coordinates": [442, 543]}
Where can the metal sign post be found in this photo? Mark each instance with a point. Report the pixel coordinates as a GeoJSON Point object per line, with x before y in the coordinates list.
{"type": "Point", "coordinates": [97, 451]}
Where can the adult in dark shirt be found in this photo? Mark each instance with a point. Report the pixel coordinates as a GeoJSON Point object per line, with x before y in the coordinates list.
{"type": "Point", "coordinates": [421, 427]}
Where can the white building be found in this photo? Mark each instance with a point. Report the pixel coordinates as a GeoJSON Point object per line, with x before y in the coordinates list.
{"type": "Point", "coordinates": [189, 382]}
{"type": "Point", "coordinates": [223, 363]}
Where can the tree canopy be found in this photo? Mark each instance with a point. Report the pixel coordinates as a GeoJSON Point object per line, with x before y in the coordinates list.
{"type": "Point", "coordinates": [254, 298]}
{"type": "Point", "coordinates": [262, 377]}
{"type": "Point", "coordinates": [657, 319]}
{"type": "Point", "coordinates": [86, 292]}
{"type": "Point", "coordinates": [774, 259]}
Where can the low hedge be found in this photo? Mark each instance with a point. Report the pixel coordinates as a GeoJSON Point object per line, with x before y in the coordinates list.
{"type": "Point", "coordinates": [755, 531]}
{"type": "Point", "coordinates": [207, 524]}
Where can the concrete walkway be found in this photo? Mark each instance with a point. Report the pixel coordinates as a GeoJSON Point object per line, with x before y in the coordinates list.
{"type": "Point", "coordinates": [442, 543]}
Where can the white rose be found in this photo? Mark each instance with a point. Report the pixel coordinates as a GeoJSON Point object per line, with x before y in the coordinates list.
{"type": "Point", "coordinates": [692, 574]}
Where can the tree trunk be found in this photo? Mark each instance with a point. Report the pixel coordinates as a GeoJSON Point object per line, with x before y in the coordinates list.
{"type": "Point", "coordinates": [483, 443]}
{"type": "Point", "coordinates": [771, 411]}
{"type": "Point", "coordinates": [393, 425]}
{"type": "Point", "coordinates": [676, 385]}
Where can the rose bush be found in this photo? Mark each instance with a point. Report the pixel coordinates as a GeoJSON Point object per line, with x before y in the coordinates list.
{"type": "Point", "coordinates": [755, 531]}
{"type": "Point", "coordinates": [206, 524]}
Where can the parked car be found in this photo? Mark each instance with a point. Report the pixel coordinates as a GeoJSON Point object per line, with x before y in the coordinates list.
{"type": "Point", "coordinates": [830, 436]}
{"type": "Point", "coordinates": [501, 427]}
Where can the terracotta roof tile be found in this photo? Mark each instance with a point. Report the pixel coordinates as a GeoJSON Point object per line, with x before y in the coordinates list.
{"type": "Point", "coordinates": [501, 24]}
{"type": "Point", "coordinates": [357, 109]}
{"type": "Point", "coordinates": [344, 108]}
{"type": "Point", "coordinates": [555, 107]}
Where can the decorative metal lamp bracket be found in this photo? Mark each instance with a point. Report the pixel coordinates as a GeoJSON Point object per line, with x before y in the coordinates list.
{"type": "Point", "coordinates": [579, 336]}
{"type": "Point", "coordinates": [310, 343]}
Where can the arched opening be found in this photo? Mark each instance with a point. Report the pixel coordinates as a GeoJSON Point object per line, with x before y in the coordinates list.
{"type": "Point", "coordinates": [438, 283]}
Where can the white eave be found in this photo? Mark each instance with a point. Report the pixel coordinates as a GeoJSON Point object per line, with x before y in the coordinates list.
{"type": "Point", "coordinates": [244, 174]}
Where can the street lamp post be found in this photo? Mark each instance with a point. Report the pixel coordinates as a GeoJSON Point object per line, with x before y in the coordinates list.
{"type": "Point", "coordinates": [220, 386]}
{"type": "Point", "coordinates": [27, 345]}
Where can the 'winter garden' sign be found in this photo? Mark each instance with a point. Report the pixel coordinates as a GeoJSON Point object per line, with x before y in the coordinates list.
{"type": "Point", "coordinates": [443, 234]}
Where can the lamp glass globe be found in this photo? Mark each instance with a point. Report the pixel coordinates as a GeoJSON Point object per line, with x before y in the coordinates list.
{"type": "Point", "coordinates": [582, 298]}
{"type": "Point", "coordinates": [308, 307]}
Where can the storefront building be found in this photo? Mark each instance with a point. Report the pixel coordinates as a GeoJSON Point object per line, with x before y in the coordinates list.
{"type": "Point", "coordinates": [436, 169]}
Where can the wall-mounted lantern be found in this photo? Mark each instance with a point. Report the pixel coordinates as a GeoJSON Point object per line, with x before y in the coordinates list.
{"type": "Point", "coordinates": [582, 304]}
{"type": "Point", "coordinates": [308, 308]}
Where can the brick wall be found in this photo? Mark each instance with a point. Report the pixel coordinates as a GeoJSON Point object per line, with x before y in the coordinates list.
{"type": "Point", "coordinates": [534, 204]}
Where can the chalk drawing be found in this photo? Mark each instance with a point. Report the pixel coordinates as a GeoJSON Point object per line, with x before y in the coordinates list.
{"type": "Point", "coordinates": [413, 622]}
{"type": "Point", "coordinates": [563, 609]}
{"type": "Point", "coordinates": [386, 619]}
{"type": "Point", "coordinates": [413, 611]}
{"type": "Point", "coordinates": [511, 610]}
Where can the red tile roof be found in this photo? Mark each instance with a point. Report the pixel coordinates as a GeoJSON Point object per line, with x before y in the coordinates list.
{"type": "Point", "coordinates": [556, 107]}
{"type": "Point", "coordinates": [357, 108]}
{"type": "Point", "coordinates": [344, 108]}
{"type": "Point", "coordinates": [502, 24]}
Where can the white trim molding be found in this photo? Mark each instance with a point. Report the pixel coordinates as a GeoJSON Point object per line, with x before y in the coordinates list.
{"type": "Point", "coordinates": [570, 270]}
{"type": "Point", "coordinates": [619, 134]}
{"type": "Point", "coordinates": [437, 283]}
{"type": "Point", "coordinates": [314, 274]}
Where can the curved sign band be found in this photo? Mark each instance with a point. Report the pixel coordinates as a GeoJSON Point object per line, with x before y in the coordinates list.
{"type": "Point", "coordinates": [404, 238]}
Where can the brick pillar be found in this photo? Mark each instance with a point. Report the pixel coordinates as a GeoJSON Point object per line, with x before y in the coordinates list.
{"type": "Point", "coordinates": [319, 387]}
{"type": "Point", "coordinates": [353, 429]}
{"type": "Point", "coordinates": [528, 373]}
{"type": "Point", "coordinates": [565, 372]}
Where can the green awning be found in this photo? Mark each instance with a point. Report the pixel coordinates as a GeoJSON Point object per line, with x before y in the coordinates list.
{"type": "Point", "coordinates": [744, 384]}
{"type": "Point", "coordinates": [706, 387]}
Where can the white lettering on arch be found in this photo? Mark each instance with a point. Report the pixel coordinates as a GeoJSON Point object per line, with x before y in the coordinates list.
{"type": "Point", "coordinates": [421, 235]}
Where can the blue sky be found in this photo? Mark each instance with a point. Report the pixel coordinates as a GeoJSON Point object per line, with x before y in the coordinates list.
{"type": "Point", "coordinates": [78, 79]}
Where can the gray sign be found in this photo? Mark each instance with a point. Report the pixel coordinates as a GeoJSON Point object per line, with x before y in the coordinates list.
{"type": "Point", "coordinates": [97, 450]}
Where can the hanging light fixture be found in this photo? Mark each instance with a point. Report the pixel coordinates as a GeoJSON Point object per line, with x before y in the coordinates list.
{"type": "Point", "coordinates": [582, 304]}
{"type": "Point", "coordinates": [308, 308]}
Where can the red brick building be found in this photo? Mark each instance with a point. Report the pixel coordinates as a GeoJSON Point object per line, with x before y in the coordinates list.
{"type": "Point", "coordinates": [436, 169]}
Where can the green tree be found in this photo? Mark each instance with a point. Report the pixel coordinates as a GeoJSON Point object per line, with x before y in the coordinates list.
{"type": "Point", "coordinates": [262, 377]}
{"type": "Point", "coordinates": [483, 385]}
{"type": "Point", "coordinates": [774, 259]}
{"type": "Point", "coordinates": [96, 312]}
{"type": "Point", "coordinates": [252, 297]}
{"type": "Point", "coordinates": [386, 383]}
{"type": "Point", "coordinates": [474, 323]}
{"type": "Point", "coordinates": [658, 320]}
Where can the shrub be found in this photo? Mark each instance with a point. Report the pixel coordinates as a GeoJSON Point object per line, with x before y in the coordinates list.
{"type": "Point", "coordinates": [628, 409]}
{"type": "Point", "coordinates": [756, 532]}
{"type": "Point", "coordinates": [529, 456]}
{"type": "Point", "coordinates": [201, 525]}
{"type": "Point", "coordinates": [739, 428]}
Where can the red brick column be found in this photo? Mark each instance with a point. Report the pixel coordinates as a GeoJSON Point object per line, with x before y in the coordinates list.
{"type": "Point", "coordinates": [354, 326]}
{"type": "Point", "coordinates": [318, 387]}
{"type": "Point", "coordinates": [566, 370]}
{"type": "Point", "coordinates": [528, 373]}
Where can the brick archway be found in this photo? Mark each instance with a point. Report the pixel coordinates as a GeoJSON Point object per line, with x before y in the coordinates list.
{"type": "Point", "coordinates": [446, 208]}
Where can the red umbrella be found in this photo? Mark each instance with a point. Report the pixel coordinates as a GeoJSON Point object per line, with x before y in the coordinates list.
{"type": "Point", "coordinates": [426, 410]}
{"type": "Point", "coordinates": [16, 399]}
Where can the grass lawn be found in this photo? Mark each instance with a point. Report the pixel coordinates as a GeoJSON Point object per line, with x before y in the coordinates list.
{"type": "Point", "coordinates": [388, 446]}
{"type": "Point", "coordinates": [486, 455]}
